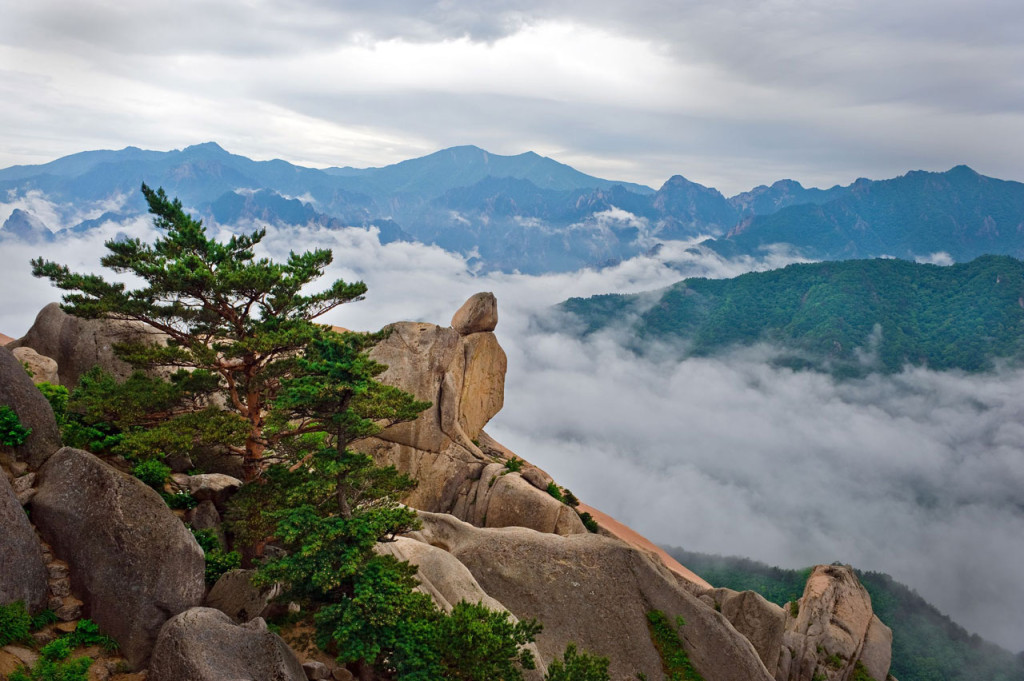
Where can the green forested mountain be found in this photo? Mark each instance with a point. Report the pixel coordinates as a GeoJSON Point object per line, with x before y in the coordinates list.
{"type": "Point", "coordinates": [927, 645]}
{"type": "Point", "coordinates": [847, 317]}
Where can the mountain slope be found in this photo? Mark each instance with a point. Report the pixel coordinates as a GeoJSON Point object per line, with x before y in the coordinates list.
{"type": "Point", "coordinates": [848, 317]}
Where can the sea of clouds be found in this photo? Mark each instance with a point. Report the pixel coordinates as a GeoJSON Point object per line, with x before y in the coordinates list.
{"type": "Point", "coordinates": [920, 474]}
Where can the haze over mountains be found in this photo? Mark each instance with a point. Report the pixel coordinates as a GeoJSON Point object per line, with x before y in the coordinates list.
{"type": "Point", "coordinates": [526, 212]}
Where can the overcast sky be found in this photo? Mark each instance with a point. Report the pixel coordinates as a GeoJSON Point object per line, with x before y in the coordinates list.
{"type": "Point", "coordinates": [730, 93]}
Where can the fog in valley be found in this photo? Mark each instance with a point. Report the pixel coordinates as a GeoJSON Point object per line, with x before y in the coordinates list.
{"type": "Point", "coordinates": [918, 475]}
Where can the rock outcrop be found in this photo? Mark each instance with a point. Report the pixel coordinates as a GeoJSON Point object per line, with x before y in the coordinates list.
{"type": "Point", "coordinates": [78, 344]}
{"type": "Point", "coordinates": [833, 630]}
{"type": "Point", "coordinates": [132, 562]}
{"type": "Point", "coordinates": [461, 371]}
{"type": "Point", "coordinates": [203, 644]}
{"type": "Point", "coordinates": [18, 392]}
{"type": "Point", "coordinates": [22, 570]}
{"type": "Point", "coordinates": [595, 591]}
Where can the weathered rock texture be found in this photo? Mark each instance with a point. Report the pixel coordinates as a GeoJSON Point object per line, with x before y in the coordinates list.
{"type": "Point", "coordinates": [78, 344]}
{"type": "Point", "coordinates": [834, 623]}
{"type": "Point", "coordinates": [235, 596]}
{"type": "Point", "coordinates": [463, 375]}
{"type": "Point", "coordinates": [132, 561]}
{"type": "Point", "coordinates": [833, 630]}
{"type": "Point", "coordinates": [22, 570]}
{"type": "Point", "coordinates": [594, 591]}
{"type": "Point", "coordinates": [18, 392]}
{"type": "Point", "coordinates": [42, 369]}
{"type": "Point", "coordinates": [203, 644]}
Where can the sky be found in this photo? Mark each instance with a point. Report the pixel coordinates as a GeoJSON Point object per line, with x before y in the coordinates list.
{"type": "Point", "coordinates": [729, 93]}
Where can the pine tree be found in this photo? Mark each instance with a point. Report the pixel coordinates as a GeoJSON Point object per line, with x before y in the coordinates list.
{"type": "Point", "coordinates": [222, 309]}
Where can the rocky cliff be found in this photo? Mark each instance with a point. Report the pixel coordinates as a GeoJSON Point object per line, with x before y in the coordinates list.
{"type": "Point", "coordinates": [492, 533]}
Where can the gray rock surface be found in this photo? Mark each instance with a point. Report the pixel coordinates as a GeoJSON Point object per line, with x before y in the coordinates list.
{"type": "Point", "coordinates": [78, 344]}
{"type": "Point", "coordinates": [23, 573]}
{"type": "Point", "coordinates": [594, 591]}
{"type": "Point", "coordinates": [133, 563]}
{"type": "Point", "coordinates": [203, 644]}
{"type": "Point", "coordinates": [18, 392]}
{"type": "Point", "coordinates": [235, 596]}
{"type": "Point", "coordinates": [215, 487]}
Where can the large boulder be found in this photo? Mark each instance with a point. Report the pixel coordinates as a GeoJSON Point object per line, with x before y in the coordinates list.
{"type": "Point", "coordinates": [203, 644]}
{"type": "Point", "coordinates": [236, 596]}
{"type": "Point", "coordinates": [18, 392]}
{"type": "Point", "coordinates": [78, 344]}
{"type": "Point", "coordinates": [42, 369]}
{"type": "Point", "coordinates": [477, 315]}
{"type": "Point", "coordinates": [595, 591]}
{"type": "Point", "coordinates": [133, 563]}
{"type": "Point", "coordinates": [22, 570]}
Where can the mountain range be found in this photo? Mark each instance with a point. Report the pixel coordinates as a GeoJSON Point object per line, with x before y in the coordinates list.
{"type": "Point", "coordinates": [528, 212]}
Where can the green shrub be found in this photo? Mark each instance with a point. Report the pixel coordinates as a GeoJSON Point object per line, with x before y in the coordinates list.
{"type": "Point", "coordinates": [578, 667]}
{"type": "Point", "coordinates": [555, 491]}
{"type": "Point", "coordinates": [152, 472]}
{"type": "Point", "coordinates": [570, 498]}
{"type": "Point", "coordinates": [674, 660]}
{"type": "Point", "coordinates": [58, 649]}
{"type": "Point", "coordinates": [180, 500]}
{"type": "Point", "coordinates": [57, 396]}
{"type": "Point", "coordinates": [218, 561]}
{"type": "Point", "coordinates": [42, 619]}
{"type": "Point", "coordinates": [589, 522]}
{"type": "Point", "coordinates": [53, 664]}
{"type": "Point", "coordinates": [513, 464]}
{"type": "Point", "coordinates": [15, 623]}
{"type": "Point", "coordinates": [87, 633]}
{"type": "Point", "coordinates": [12, 433]}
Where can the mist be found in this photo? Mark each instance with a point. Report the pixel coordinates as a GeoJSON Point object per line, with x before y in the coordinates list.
{"type": "Point", "coordinates": [919, 474]}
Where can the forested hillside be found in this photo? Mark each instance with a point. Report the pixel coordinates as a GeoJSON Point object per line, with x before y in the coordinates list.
{"type": "Point", "coordinates": [847, 317]}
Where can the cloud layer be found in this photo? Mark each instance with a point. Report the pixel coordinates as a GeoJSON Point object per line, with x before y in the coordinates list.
{"type": "Point", "coordinates": [919, 475]}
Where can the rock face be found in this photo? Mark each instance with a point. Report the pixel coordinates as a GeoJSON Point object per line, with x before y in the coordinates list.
{"type": "Point", "coordinates": [42, 369]}
{"type": "Point", "coordinates": [18, 392]}
{"type": "Point", "coordinates": [132, 561]}
{"type": "Point", "coordinates": [203, 644]}
{"type": "Point", "coordinates": [594, 591]}
{"type": "Point", "coordinates": [461, 371]}
{"type": "Point", "coordinates": [834, 628]}
{"type": "Point", "coordinates": [22, 570]}
{"type": "Point", "coordinates": [78, 344]}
